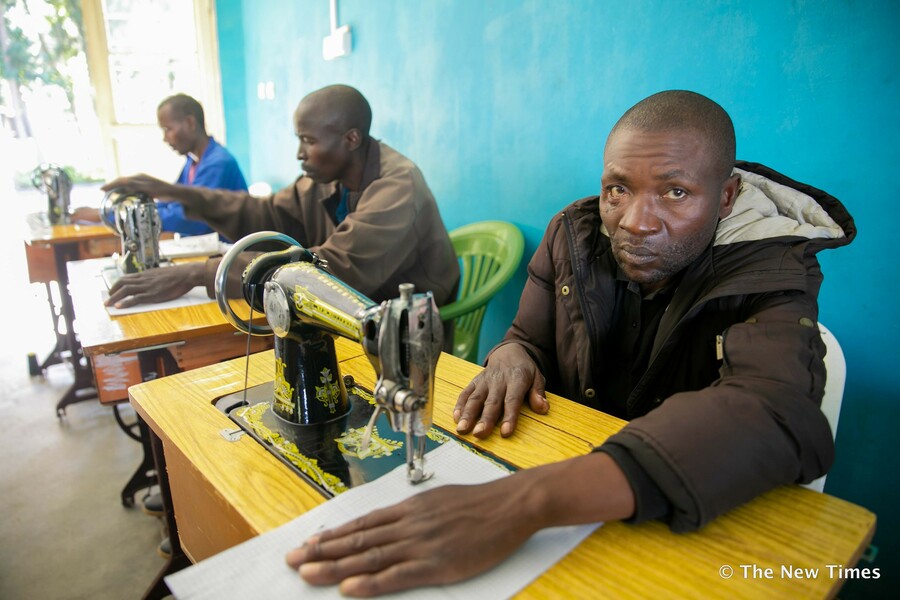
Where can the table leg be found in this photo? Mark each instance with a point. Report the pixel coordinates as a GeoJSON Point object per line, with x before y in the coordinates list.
{"type": "Point", "coordinates": [55, 356]}
{"type": "Point", "coordinates": [83, 387]}
{"type": "Point", "coordinates": [146, 474]}
{"type": "Point", "coordinates": [153, 364]}
{"type": "Point", "coordinates": [128, 428]}
{"type": "Point", "coordinates": [179, 560]}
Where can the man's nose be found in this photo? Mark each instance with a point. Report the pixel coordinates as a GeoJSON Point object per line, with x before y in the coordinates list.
{"type": "Point", "coordinates": [640, 216]}
{"type": "Point", "coordinates": [301, 153]}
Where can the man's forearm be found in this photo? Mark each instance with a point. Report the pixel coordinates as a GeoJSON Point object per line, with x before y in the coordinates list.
{"type": "Point", "coordinates": [586, 489]}
{"type": "Point", "coordinates": [188, 196]}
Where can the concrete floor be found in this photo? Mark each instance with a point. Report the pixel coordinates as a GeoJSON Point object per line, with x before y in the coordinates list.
{"type": "Point", "coordinates": [63, 532]}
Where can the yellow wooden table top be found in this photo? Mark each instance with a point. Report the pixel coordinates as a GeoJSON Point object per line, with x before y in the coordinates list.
{"type": "Point", "coordinates": [788, 527]}
{"type": "Point", "coordinates": [39, 230]}
{"type": "Point", "coordinates": [101, 333]}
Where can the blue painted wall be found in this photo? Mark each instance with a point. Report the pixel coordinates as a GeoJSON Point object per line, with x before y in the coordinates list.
{"type": "Point", "coordinates": [505, 106]}
{"type": "Point", "coordinates": [234, 77]}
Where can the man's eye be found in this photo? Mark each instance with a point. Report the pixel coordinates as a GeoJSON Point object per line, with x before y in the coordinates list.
{"type": "Point", "coordinates": [614, 192]}
{"type": "Point", "coordinates": [676, 194]}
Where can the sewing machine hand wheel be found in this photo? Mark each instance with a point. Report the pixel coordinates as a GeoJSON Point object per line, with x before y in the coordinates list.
{"type": "Point", "coordinates": [111, 205]}
{"type": "Point", "coordinates": [225, 267]}
{"type": "Point", "coordinates": [38, 175]}
{"type": "Point", "coordinates": [107, 210]}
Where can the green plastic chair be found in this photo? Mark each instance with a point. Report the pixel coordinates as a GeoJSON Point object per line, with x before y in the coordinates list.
{"type": "Point", "coordinates": [489, 254]}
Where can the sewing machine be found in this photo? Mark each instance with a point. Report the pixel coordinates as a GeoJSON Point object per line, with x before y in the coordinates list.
{"type": "Point", "coordinates": [135, 218]}
{"type": "Point", "coordinates": [55, 182]}
{"type": "Point", "coordinates": [305, 306]}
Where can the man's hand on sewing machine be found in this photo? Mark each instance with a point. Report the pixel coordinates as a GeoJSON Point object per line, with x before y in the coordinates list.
{"type": "Point", "coordinates": [141, 183]}
{"type": "Point", "coordinates": [452, 533]}
{"type": "Point", "coordinates": [156, 285]}
{"type": "Point", "coordinates": [510, 376]}
{"type": "Point", "coordinates": [86, 214]}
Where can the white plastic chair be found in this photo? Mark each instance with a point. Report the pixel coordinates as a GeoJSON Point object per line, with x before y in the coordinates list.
{"type": "Point", "coordinates": [260, 189]}
{"type": "Point", "coordinates": [836, 375]}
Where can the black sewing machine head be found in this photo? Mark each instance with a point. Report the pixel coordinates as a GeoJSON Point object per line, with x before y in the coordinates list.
{"type": "Point", "coordinates": [305, 306]}
{"type": "Point", "coordinates": [135, 218]}
{"type": "Point", "coordinates": [55, 182]}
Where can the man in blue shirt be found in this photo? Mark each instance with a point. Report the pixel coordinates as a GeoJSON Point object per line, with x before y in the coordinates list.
{"type": "Point", "coordinates": [208, 163]}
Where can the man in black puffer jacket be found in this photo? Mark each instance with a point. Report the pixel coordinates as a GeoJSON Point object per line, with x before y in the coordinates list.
{"type": "Point", "coordinates": [683, 298]}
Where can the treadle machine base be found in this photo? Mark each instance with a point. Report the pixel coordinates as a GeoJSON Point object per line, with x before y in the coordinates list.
{"type": "Point", "coordinates": [328, 456]}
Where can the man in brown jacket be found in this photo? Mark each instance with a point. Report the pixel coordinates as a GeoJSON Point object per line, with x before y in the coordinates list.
{"type": "Point", "coordinates": [360, 205]}
{"type": "Point", "coordinates": [682, 298]}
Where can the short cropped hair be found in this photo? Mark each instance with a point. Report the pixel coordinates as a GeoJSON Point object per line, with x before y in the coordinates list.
{"type": "Point", "coordinates": [681, 109]}
{"type": "Point", "coordinates": [183, 105]}
{"type": "Point", "coordinates": [341, 107]}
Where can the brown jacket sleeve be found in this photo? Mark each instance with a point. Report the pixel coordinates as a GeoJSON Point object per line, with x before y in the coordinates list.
{"type": "Point", "coordinates": [393, 235]}
{"type": "Point", "coordinates": [537, 320]}
{"type": "Point", "coordinates": [237, 214]}
{"type": "Point", "coordinates": [380, 237]}
{"type": "Point", "coordinates": [755, 428]}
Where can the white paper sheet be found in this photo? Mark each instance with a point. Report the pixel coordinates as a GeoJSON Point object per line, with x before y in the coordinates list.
{"type": "Point", "coordinates": [194, 245]}
{"type": "Point", "coordinates": [256, 568]}
{"type": "Point", "coordinates": [196, 296]}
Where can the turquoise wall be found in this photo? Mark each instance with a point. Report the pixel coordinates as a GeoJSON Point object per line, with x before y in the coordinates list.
{"type": "Point", "coordinates": [505, 106]}
{"type": "Point", "coordinates": [230, 24]}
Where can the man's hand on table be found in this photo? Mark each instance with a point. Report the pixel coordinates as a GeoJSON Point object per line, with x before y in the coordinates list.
{"type": "Point", "coordinates": [440, 536]}
{"type": "Point", "coordinates": [156, 285]}
{"type": "Point", "coordinates": [509, 377]}
{"type": "Point", "coordinates": [452, 533]}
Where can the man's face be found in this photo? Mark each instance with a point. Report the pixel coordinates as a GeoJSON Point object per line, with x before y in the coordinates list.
{"type": "Point", "coordinates": [661, 200]}
{"type": "Point", "coordinates": [323, 149]}
{"type": "Point", "coordinates": [180, 134]}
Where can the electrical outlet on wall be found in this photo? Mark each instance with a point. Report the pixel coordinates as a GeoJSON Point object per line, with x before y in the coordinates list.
{"type": "Point", "coordinates": [338, 43]}
{"type": "Point", "coordinates": [265, 90]}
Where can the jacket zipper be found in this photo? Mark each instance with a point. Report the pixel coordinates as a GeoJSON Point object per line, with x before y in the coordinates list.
{"type": "Point", "coordinates": [578, 279]}
{"type": "Point", "coordinates": [687, 316]}
{"type": "Point", "coordinates": [633, 400]}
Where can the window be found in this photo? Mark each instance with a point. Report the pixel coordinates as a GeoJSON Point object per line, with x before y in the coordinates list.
{"type": "Point", "coordinates": [152, 53]}
{"type": "Point", "coordinates": [140, 52]}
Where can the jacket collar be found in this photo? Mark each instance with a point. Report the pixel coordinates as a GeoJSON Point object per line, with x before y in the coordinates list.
{"type": "Point", "coordinates": [371, 171]}
{"type": "Point", "coordinates": [372, 165]}
{"type": "Point", "coordinates": [209, 146]}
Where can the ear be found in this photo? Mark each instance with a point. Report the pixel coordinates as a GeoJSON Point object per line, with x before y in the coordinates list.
{"type": "Point", "coordinates": [352, 139]}
{"type": "Point", "coordinates": [730, 190]}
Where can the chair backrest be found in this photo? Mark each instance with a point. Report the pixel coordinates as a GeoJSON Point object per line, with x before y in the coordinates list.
{"type": "Point", "coordinates": [836, 375]}
{"type": "Point", "coordinates": [489, 253]}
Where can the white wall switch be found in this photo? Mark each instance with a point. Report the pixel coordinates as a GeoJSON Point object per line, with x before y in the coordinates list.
{"type": "Point", "coordinates": [338, 43]}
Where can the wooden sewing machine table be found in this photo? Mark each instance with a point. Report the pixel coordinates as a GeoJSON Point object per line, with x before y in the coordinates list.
{"type": "Point", "coordinates": [47, 250]}
{"type": "Point", "coordinates": [128, 349]}
{"type": "Point", "coordinates": [224, 492]}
